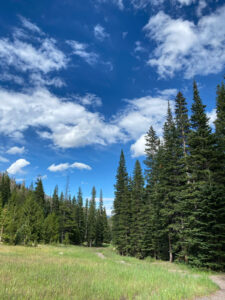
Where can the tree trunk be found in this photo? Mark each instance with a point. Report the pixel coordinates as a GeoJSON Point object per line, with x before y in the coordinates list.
{"type": "Point", "coordinates": [170, 250]}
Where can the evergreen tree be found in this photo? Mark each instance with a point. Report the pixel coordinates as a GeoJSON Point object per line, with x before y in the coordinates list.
{"type": "Point", "coordinates": [39, 194]}
{"type": "Point", "coordinates": [122, 209]}
{"type": "Point", "coordinates": [201, 219]}
{"type": "Point", "coordinates": [5, 188]}
{"type": "Point", "coordinates": [182, 204]}
{"type": "Point", "coordinates": [92, 220]}
{"type": "Point", "coordinates": [138, 212]}
{"type": "Point", "coordinates": [100, 223]}
{"type": "Point", "coordinates": [80, 216]}
{"type": "Point", "coordinates": [55, 201]}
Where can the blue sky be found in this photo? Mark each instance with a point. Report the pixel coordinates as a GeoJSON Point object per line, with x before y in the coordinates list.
{"type": "Point", "coordinates": [79, 81]}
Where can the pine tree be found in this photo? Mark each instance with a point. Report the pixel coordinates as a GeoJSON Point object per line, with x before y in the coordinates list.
{"type": "Point", "coordinates": [92, 220]}
{"type": "Point", "coordinates": [55, 201]}
{"type": "Point", "coordinates": [100, 222]}
{"type": "Point", "coordinates": [122, 209]}
{"type": "Point", "coordinates": [201, 220]}
{"type": "Point", "coordinates": [218, 230]}
{"type": "Point", "coordinates": [138, 212]}
{"type": "Point", "coordinates": [5, 188]}
{"type": "Point", "coordinates": [51, 228]}
{"type": "Point", "coordinates": [182, 204]}
{"type": "Point", "coordinates": [170, 181]}
{"type": "Point", "coordinates": [80, 216]}
{"type": "Point", "coordinates": [152, 210]}
{"type": "Point", "coordinates": [86, 220]}
{"type": "Point", "coordinates": [107, 236]}
{"type": "Point", "coordinates": [39, 194]}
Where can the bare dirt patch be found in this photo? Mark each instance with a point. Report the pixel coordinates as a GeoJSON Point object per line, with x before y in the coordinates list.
{"type": "Point", "coordinates": [219, 295]}
{"type": "Point", "coordinates": [100, 255]}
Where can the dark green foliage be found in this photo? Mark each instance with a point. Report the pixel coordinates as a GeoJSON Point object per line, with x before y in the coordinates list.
{"type": "Point", "coordinates": [122, 209]}
{"type": "Point", "coordinates": [91, 236]}
{"type": "Point", "coordinates": [28, 216]}
{"type": "Point", "coordinates": [179, 214]}
{"type": "Point", "coordinates": [137, 212]}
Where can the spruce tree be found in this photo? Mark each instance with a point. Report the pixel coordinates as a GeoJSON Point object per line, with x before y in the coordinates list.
{"type": "Point", "coordinates": [122, 209]}
{"type": "Point", "coordinates": [80, 215]}
{"type": "Point", "coordinates": [92, 219]}
{"type": "Point", "coordinates": [138, 212]}
{"type": "Point", "coordinates": [201, 161]}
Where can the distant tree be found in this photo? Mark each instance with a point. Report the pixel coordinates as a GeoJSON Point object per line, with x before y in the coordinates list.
{"type": "Point", "coordinates": [92, 219]}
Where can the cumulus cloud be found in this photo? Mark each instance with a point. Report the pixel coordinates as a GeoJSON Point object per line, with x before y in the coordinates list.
{"type": "Point", "coordinates": [17, 166]}
{"type": "Point", "coordinates": [16, 150]}
{"type": "Point", "coordinates": [185, 46]}
{"type": "Point", "coordinates": [66, 123]}
{"type": "Point", "coordinates": [100, 32]}
{"type": "Point", "coordinates": [80, 50]}
{"type": "Point", "coordinates": [66, 166]}
{"type": "Point", "coordinates": [212, 117]}
{"type": "Point", "coordinates": [138, 148]}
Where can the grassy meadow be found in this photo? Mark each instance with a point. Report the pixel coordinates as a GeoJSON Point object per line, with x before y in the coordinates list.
{"type": "Point", "coordinates": [49, 272]}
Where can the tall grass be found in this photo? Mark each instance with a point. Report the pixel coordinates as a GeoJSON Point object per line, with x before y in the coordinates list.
{"type": "Point", "coordinates": [48, 272]}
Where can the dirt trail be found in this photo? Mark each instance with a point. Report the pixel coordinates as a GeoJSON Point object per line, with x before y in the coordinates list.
{"type": "Point", "coordinates": [100, 255]}
{"type": "Point", "coordinates": [219, 295]}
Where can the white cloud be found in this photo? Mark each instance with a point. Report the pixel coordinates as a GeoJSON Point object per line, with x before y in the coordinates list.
{"type": "Point", "coordinates": [138, 148]}
{"type": "Point", "coordinates": [201, 6]}
{"type": "Point", "coordinates": [10, 77]}
{"type": "Point", "coordinates": [66, 123]}
{"type": "Point", "coordinates": [141, 113]}
{"type": "Point", "coordinates": [212, 117]}
{"type": "Point", "coordinates": [100, 32]}
{"type": "Point", "coordinates": [25, 57]}
{"type": "Point", "coordinates": [31, 26]}
{"type": "Point", "coordinates": [118, 3]}
{"type": "Point", "coordinates": [89, 99]}
{"type": "Point", "coordinates": [17, 166]}
{"type": "Point", "coordinates": [58, 168]}
{"type": "Point", "coordinates": [196, 49]}
{"type": "Point", "coordinates": [30, 51]}
{"type": "Point", "coordinates": [16, 150]}
{"type": "Point", "coordinates": [3, 159]}
{"type": "Point", "coordinates": [66, 166]}
{"type": "Point", "coordinates": [139, 47]}
{"type": "Point", "coordinates": [80, 166]}
{"type": "Point", "coordinates": [80, 50]}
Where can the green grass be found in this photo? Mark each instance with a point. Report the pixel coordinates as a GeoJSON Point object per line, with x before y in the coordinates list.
{"type": "Point", "coordinates": [49, 272]}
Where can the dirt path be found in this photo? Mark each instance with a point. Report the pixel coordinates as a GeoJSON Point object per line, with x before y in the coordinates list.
{"type": "Point", "coordinates": [100, 255]}
{"type": "Point", "coordinates": [219, 295]}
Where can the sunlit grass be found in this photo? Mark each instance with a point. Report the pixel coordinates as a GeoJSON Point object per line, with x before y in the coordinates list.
{"type": "Point", "coordinates": [49, 272]}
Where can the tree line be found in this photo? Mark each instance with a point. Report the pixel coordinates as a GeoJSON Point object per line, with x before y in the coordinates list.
{"type": "Point", "coordinates": [29, 217]}
{"type": "Point", "coordinates": [176, 209]}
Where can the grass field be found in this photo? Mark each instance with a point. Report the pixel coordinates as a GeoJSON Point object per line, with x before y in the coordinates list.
{"type": "Point", "coordinates": [48, 272]}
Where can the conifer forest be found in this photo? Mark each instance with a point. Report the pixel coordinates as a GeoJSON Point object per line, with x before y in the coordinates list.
{"type": "Point", "coordinates": [175, 210]}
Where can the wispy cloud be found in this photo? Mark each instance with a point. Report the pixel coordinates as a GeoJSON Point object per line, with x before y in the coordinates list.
{"type": "Point", "coordinates": [16, 150]}
{"type": "Point", "coordinates": [100, 32]}
{"type": "Point", "coordinates": [3, 159]}
{"type": "Point", "coordinates": [30, 51]}
{"type": "Point", "coordinates": [80, 50]}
